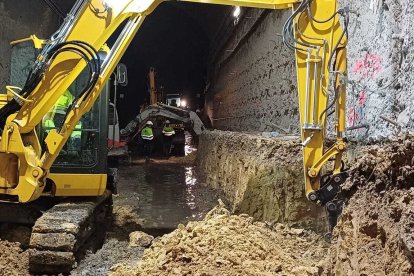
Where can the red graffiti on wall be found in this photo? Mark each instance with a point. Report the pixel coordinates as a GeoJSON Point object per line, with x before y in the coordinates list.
{"type": "Point", "coordinates": [353, 116]}
{"type": "Point", "coordinates": [368, 66]}
{"type": "Point", "coordinates": [362, 98]}
{"type": "Point", "coordinates": [356, 114]}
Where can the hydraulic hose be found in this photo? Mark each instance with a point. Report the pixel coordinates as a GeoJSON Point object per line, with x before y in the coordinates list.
{"type": "Point", "coordinates": [86, 51]}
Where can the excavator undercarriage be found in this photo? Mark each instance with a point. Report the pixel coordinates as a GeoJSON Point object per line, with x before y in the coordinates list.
{"type": "Point", "coordinates": [63, 233]}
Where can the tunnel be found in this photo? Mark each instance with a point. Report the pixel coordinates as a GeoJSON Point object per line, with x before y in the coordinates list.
{"type": "Point", "coordinates": [224, 137]}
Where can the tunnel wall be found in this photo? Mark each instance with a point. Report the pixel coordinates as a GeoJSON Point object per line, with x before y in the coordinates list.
{"type": "Point", "coordinates": [254, 87]}
{"type": "Point", "coordinates": [259, 176]}
{"type": "Point", "coordinates": [20, 19]}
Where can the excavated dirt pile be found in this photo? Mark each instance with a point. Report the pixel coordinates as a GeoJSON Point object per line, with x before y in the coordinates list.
{"type": "Point", "coordinates": [375, 235]}
{"type": "Point", "coordinates": [224, 244]}
{"type": "Point", "coordinates": [13, 261]}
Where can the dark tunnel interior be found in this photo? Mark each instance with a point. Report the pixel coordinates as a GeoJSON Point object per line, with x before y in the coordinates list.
{"type": "Point", "coordinates": [176, 39]}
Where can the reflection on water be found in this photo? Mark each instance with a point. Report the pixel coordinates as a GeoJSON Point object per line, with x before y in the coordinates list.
{"type": "Point", "coordinates": [189, 149]}
{"type": "Point", "coordinates": [168, 195]}
{"type": "Point", "coordinates": [190, 181]}
{"type": "Point", "coordinates": [189, 144]}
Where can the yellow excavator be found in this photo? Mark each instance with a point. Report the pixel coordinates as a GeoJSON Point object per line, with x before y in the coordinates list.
{"type": "Point", "coordinates": [42, 170]}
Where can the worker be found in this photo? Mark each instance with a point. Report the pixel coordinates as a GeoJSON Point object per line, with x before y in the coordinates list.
{"type": "Point", "coordinates": [75, 141]}
{"type": "Point", "coordinates": [56, 117]}
{"type": "Point", "coordinates": [174, 103]}
{"type": "Point", "coordinates": [48, 124]}
{"type": "Point", "coordinates": [64, 102]}
{"type": "Point", "coordinates": [61, 107]}
{"type": "Point", "coordinates": [168, 132]}
{"type": "Point", "coordinates": [147, 138]}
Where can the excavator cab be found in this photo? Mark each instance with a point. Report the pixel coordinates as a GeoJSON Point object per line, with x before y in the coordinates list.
{"type": "Point", "coordinates": [83, 159]}
{"type": "Point", "coordinates": [78, 189]}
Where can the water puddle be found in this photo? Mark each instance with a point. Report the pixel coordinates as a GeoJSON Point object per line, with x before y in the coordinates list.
{"type": "Point", "coordinates": [164, 195]}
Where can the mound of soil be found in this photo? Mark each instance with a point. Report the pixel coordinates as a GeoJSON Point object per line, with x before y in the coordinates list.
{"type": "Point", "coordinates": [126, 219]}
{"type": "Point", "coordinates": [224, 244]}
{"type": "Point", "coordinates": [13, 261]}
{"type": "Point", "coordinates": [375, 235]}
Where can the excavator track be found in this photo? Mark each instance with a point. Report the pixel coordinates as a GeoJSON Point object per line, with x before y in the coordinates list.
{"type": "Point", "coordinates": [63, 233]}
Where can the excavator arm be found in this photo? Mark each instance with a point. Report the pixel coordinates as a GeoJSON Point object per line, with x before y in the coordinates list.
{"type": "Point", "coordinates": [313, 32]}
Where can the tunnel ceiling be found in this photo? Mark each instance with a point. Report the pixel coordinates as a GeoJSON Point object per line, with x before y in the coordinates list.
{"type": "Point", "coordinates": [208, 17]}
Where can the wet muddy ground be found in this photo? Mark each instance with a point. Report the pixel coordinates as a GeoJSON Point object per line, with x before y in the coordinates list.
{"type": "Point", "coordinates": [374, 235]}
{"type": "Point", "coordinates": [164, 196]}
{"type": "Point", "coordinates": [154, 198]}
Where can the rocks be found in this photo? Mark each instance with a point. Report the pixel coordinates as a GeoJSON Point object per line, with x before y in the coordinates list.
{"type": "Point", "coordinates": [126, 218]}
{"type": "Point", "coordinates": [224, 244]}
{"type": "Point", "coordinates": [296, 232]}
{"type": "Point", "coordinates": [140, 239]}
{"type": "Point", "coordinates": [13, 261]}
{"type": "Point", "coordinates": [374, 235]}
{"type": "Point", "coordinates": [112, 252]}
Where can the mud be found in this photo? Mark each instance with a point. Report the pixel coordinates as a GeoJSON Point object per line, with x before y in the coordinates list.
{"type": "Point", "coordinates": [154, 198]}
{"type": "Point", "coordinates": [225, 244]}
{"type": "Point", "coordinates": [125, 218]}
{"type": "Point", "coordinates": [162, 196]}
{"type": "Point", "coordinates": [188, 160]}
{"type": "Point", "coordinates": [13, 260]}
{"type": "Point", "coordinates": [16, 233]}
{"type": "Point", "coordinates": [262, 177]}
{"type": "Point", "coordinates": [375, 235]}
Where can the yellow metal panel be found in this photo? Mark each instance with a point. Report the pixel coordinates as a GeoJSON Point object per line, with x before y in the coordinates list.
{"type": "Point", "coordinates": [262, 4]}
{"type": "Point", "coordinates": [37, 43]}
{"type": "Point", "coordinates": [52, 141]}
{"type": "Point", "coordinates": [79, 184]}
{"type": "Point", "coordinates": [8, 171]}
{"type": "Point", "coordinates": [3, 100]}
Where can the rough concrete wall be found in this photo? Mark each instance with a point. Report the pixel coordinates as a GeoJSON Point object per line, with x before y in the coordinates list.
{"type": "Point", "coordinates": [256, 84]}
{"type": "Point", "coordinates": [20, 19]}
{"type": "Point", "coordinates": [261, 177]}
{"type": "Point", "coordinates": [380, 64]}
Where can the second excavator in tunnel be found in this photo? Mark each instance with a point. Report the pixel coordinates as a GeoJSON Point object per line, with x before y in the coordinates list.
{"type": "Point", "coordinates": [313, 32]}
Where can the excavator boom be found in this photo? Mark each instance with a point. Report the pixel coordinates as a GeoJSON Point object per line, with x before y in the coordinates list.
{"type": "Point", "coordinates": [313, 32]}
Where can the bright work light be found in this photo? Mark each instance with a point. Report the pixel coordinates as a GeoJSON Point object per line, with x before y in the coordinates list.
{"type": "Point", "coordinates": [236, 12]}
{"type": "Point", "coordinates": [183, 103]}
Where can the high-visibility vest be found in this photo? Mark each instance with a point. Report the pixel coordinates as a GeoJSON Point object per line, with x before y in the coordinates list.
{"type": "Point", "coordinates": [77, 132]}
{"type": "Point", "coordinates": [168, 131]}
{"type": "Point", "coordinates": [147, 134]}
{"type": "Point", "coordinates": [49, 125]}
{"type": "Point", "coordinates": [64, 102]}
